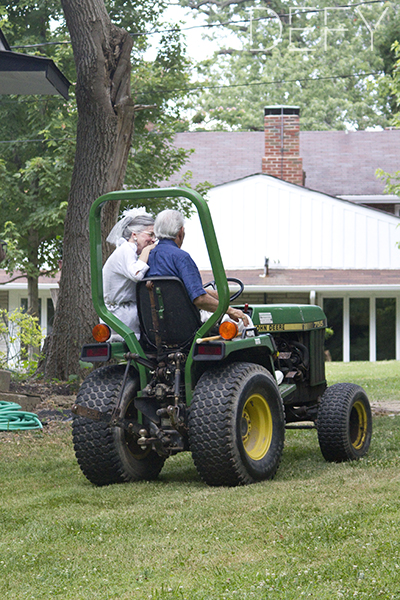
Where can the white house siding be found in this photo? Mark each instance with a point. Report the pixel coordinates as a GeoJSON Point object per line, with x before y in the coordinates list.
{"type": "Point", "coordinates": [294, 227]}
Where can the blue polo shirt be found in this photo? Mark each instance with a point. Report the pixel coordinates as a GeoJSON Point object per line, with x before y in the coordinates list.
{"type": "Point", "coordinates": [167, 259]}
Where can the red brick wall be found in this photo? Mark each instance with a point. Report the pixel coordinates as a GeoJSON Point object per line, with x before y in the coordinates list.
{"type": "Point", "coordinates": [285, 165]}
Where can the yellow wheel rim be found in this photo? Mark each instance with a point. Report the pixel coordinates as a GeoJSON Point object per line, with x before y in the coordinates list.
{"type": "Point", "coordinates": [358, 425]}
{"type": "Point", "coordinates": [256, 427]}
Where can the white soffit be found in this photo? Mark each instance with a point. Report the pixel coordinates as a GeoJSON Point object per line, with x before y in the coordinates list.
{"type": "Point", "coordinates": [377, 199]}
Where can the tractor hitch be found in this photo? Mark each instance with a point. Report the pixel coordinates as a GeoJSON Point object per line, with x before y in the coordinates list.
{"type": "Point", "coordinates": [97, 415]}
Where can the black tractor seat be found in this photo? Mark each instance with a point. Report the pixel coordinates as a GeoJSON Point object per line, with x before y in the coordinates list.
{"type": "Point", "coordinates": [168, 319]}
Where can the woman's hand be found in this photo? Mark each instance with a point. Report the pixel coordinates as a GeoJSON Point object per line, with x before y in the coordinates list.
{"type": "Point", "coordinates": [144, 255]}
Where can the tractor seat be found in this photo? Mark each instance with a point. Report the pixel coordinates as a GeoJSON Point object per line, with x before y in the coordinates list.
{"type": "Point", "coordinates": [168, 319]}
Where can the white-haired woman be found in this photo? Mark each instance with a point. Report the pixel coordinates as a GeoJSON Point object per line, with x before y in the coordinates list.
{"type": "Point", "coordinates": [133, 237]}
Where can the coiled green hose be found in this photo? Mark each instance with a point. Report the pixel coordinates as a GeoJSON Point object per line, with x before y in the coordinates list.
{"type": "Point", "coordinates": [8, 406]}
{"type": "Point", "coordinates": [12, 419]}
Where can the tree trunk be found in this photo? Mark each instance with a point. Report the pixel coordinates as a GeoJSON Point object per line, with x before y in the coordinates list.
{"type": "Point", "coordinates": [105, 127]}
{"type": "Point", "coordinates": [33, 296]}
{"type": "Point", "coordinates": [33, 279]}
{"type": "Point", "coordinates": [33, 285]}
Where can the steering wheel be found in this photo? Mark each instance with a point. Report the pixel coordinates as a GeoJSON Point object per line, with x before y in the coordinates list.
{"type": "Point", "coordinates": [234, 280]}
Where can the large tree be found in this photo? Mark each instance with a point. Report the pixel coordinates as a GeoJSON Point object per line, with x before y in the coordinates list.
{"type": "Point", "coordinates": [104, 132]}
{"type": "Point", "coordinates": [324, 57]}
{"type": "Point", "coordinates": [106, 111]}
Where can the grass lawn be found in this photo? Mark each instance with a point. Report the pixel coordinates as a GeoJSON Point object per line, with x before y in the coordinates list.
{"type": "Point", "coordinates": [380, 380]}
{"type": "Point", "coordinates": [318, 530]}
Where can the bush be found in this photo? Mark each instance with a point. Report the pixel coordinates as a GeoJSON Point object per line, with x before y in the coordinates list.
{"type": "Point", "coordinates": [20, 336]}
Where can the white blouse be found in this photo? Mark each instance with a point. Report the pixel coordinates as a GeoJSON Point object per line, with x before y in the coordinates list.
{"type": "Point", "coordinates": [120, 273]}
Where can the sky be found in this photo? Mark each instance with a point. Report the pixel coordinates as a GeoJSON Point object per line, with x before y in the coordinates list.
{"type": "Point", "coordinates": [197, 47]}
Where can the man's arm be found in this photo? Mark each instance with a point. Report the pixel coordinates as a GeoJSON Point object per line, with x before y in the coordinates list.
{"type": "Point", "coordinates": [208, 302]}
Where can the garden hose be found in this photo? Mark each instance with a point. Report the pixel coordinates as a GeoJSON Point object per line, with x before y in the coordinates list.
{"type": "Point", "coordinates": [13, 419]}
{"type": "Point", "coordinates": [8, 406]}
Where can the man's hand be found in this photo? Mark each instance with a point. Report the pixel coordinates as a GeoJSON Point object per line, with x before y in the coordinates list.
{"type": "Point", "coordinates": [236, 314]}
{"type": "Point", "coordinates": [208, 302]}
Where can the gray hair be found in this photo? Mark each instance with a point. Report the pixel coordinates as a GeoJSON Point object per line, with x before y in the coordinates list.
{"type": "Point", "coordinates": [168, 223]}
{"type": "Point", "coordinates": [137, 225]}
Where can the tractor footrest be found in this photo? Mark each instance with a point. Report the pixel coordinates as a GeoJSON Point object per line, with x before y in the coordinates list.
{"type": "Point", "coordinates": [90, 413]}
{"type": "Point", "coordinates": [291, 375]}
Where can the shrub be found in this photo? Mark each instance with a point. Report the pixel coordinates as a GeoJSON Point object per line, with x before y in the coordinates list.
{"type": "Point", "coordinates": [20, 335]}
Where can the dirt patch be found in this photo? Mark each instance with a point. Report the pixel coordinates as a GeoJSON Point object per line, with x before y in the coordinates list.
{"type": "Point", "coordinates": [56, 400]}
{"type": "Point", "coordinates": [44, 389]}
{"type": "Point", "coordinates": [391, 407]}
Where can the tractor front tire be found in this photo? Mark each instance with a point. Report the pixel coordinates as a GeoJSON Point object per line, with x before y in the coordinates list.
{"type": "Point", "coordinates": [344, 423]}
{"type": "Point", "coordinates": [236, 425]}
{"type": "Point", "coordinates": [108, 454]}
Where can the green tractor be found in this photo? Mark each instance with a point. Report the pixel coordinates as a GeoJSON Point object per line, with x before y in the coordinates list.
{"type": "Point", "coordinates": [186, 387]}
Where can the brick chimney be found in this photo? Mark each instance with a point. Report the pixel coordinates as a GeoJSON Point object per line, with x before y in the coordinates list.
{"type": "Point", "coordinates": [282, 143]}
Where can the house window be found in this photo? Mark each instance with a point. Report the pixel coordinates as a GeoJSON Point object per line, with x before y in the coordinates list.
{"type": "Point", "coordinates": [24, 306]}
{"type": "Point", "coordinates": [50, 315]}
{"type": "Point", "coordinates": [333, 308]}
{"type": "Point", "coordinates": [359, 329]}
{"type": "Point", "coordinates": [385, 328]}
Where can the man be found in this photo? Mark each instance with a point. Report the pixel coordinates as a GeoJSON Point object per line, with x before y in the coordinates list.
{"type": "Point", "coordinates": [167, 259]}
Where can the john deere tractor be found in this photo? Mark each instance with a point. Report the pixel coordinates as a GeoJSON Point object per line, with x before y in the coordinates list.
{"type": "Point", "coordinates": [200, 387]}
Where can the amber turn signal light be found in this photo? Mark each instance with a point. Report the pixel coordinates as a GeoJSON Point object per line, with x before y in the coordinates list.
{"type": "Point", "coordinates": [101, 332]}
{"type": "Point", "coordinates": [228, 330]}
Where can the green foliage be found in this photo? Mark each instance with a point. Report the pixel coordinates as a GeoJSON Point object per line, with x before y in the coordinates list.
{"type": "Point", "coordinates": [392, 85]}
{"type": "Point", "coordinates": [19, 332]}
{"type": "Point", "coordinates": [154, 158]}
{"type": "Point", "coordinates": [294, 53]}
{"type": "Point", "coordinates": [392, 181]}
{"type": "Point", "coordinates": [155, 87]}
{"type": "Point", "coordinates": [38, 149]}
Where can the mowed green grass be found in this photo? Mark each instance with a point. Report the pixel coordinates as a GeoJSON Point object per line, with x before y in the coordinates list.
{"type": "Point", "coordinates": [318, 530]}
{"type": "Point", "coordinates": [380, 380]}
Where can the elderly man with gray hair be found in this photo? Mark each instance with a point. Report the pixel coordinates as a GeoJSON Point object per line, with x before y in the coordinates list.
{"type": "Point", "coordinates": [168, 259]}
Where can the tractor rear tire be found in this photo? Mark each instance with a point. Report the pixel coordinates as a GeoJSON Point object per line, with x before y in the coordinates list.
{"type": "Point", "coordinates": [236, 425]}
{"type": "Point", "coordinates": [344, 423]}
{"type": "Point", "coordinates": [108, 454]}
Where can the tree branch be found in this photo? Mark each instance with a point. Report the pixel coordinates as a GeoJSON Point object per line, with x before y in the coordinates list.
{"type": "Point", "coordinates": [14, 278]}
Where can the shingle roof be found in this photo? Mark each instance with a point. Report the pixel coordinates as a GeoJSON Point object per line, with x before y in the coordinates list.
{"type": "Point", "coordinates": [221, 156]}
{"type": "Point", "coordinates": [339, 163]}
{"type": "Point", "coordinates": [4, 278]}
{"type": "Point", "coordinates": [336, 163]}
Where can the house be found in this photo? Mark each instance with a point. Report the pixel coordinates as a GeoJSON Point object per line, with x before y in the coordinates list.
{"type": "Point", "coordinates": [14, 295]}
{"type": "Point", "coordinates": [311, 205]}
